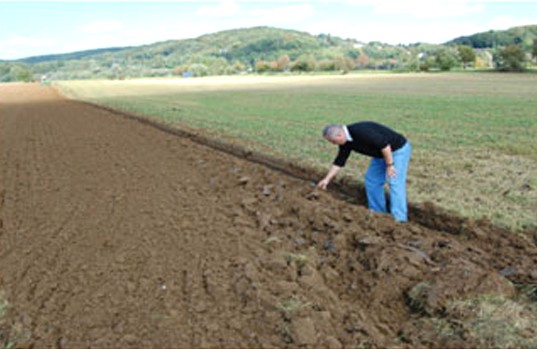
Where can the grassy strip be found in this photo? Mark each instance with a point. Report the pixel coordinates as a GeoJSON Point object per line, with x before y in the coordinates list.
{"type": "Point", "coordinates": [473, 134]}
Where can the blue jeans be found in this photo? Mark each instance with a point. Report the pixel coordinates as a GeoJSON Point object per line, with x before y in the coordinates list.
{"type": "Point", "coordinates": [375, 178]}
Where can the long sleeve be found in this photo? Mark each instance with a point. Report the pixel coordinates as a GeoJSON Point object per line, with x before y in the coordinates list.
{"type": "Point", "coordinates": [342, 155]}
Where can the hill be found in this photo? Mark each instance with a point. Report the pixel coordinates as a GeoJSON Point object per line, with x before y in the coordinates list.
{"type": "Point", "coordinates": [524, 36]}
{"type": "Point", "coordinates": [258, 49]}
{"type": "Point", "coordinates": [70, 56]}
{"type": "Point", "coordinates": [237, 44]}
{"type": "Point", "coordinates": [252, 44]}
{"type": "Point", "coordinates": [225, 52]}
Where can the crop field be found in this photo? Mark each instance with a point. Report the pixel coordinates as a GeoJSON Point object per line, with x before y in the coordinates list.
{"type": "Point", "coordinates": [473, 135]}
{"type": "Point", "coordinates": [118, 233]}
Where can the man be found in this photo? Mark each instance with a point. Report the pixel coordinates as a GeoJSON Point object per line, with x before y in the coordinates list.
{"type": "Point", "coordinates": [390, 153]}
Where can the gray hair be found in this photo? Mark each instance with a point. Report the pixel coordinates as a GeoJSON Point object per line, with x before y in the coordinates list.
{"type": "Point", "coordinates": [332, 131]}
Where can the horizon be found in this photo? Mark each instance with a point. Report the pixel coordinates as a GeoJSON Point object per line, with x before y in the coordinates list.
{"type": "Point", "coordinates": [31, 29]}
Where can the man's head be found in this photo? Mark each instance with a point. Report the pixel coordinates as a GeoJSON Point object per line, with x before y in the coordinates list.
{"type": "Point", "coordinates": [334, 134]}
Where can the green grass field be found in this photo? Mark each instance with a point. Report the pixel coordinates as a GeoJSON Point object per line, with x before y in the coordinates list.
{"type": "Point", "coordinates": [473, 135]}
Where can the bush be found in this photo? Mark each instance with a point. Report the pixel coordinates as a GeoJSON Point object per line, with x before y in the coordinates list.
{"type": "Point", "coordinates": [198, 69]}
{"type": "Point", "coordinates": [303, 64]}
{"type": "Point", "coordinates": [19, 73]}
{"type": "Point", "coordinates": [262, 66]}
{"type": "Point", "coordinates": [326, 65]}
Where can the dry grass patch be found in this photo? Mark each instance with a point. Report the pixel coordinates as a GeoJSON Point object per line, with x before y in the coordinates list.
{"type": "Point", "coordinates": [479, 322]}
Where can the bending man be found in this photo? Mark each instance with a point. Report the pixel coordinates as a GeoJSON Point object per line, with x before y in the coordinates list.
{"type": "Point", "coordinates": [390, 156]}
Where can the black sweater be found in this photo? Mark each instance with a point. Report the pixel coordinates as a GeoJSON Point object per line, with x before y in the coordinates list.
{"type": "Point", "coordinates": [368, 138]}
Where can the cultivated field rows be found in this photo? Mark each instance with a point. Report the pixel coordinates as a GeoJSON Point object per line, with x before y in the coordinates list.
{"type": "Point", "coordinates": [116, 234]}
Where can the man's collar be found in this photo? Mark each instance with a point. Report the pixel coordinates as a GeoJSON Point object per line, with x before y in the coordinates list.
{"type": "Point", "coordinates": [347, 134]}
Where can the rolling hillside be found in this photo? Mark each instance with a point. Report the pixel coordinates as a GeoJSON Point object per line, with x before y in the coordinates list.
{"type": "Point", "coordinates": [238, 44]}
{"type": "Point", "coordinates": [524, 36]}
{"type": "Point", "coordinates": [72, 55]}
{"type": "Point", "coordinates": [258, 49]}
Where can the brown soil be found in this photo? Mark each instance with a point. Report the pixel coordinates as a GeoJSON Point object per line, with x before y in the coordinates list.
{"type": "Point", "coordinates": [115, 234]}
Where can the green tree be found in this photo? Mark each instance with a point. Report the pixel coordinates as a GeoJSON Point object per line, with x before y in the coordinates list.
{"type": "Point", "coordinates": [411, 60]}
{"type": "Point", "coordinates": [446, 58]}
{"type": "Point", "coordinates": [427, 63]}
{"type": "Point", "coordinates": [511, 58]}
{"type": "Point", "coordinates": [534, 49]}
{"type": "Point", "coordinates": [326, 65]}
{"type": "Point", "coordinates": [216, 66]}
{"type": "Point", "coordinates": [198, 69]}
{"type": "Point", "coordinates": [5, 72]}
{"type": "Point", "coordinates": [343, 64]}
{"type": "Point", "coordinates": [22, 74]}
{"type": "Point", "coordinates": [238, 67]}
{"type": "Point", "coordinates": [304, 64]}
{"type": "Point", "coordinates": [466, 54]}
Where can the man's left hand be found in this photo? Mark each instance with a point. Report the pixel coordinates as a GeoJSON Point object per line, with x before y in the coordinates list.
{"type": "Point", "coordinates": [391, 172]}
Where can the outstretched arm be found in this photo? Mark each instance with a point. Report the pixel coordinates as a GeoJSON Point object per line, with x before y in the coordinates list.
{"type": "Point", "coordinates": [324, 182]}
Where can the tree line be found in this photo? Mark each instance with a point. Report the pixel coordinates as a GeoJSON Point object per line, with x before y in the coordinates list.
{"type": "Point", "coordinates": [266, 51]}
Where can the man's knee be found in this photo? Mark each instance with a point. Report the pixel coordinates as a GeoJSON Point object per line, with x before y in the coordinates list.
{"type": "Point", "coordinates": [374, 181]}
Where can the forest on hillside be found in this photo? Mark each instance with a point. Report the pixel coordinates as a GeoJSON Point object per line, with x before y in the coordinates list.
{"type": "Point", "coordinates": [265, 50]}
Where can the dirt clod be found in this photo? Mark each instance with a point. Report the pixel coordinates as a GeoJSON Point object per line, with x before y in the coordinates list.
{"type": "Point", "coordinates": [303, 331]}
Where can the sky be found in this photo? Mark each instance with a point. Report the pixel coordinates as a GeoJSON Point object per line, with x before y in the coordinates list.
{"type": "Point", "coordinates": [50, 27]}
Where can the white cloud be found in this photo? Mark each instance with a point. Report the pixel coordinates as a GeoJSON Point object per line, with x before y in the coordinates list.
{"type": "Point", "coordinates": [428, 8]}
{"type": "Point", "coordinates": [284, 14]}
{"type": "Point", "coordinates": [26, 41]}
{"type": "Point", "coordinates": [436, 32]}
{"type": "Point", "coordinates": [102, 27]}
{"type": "Point", "coordinates": [17, 46]}
{"type": "Point", "coordinates": [504, 22]}
{"type": "Point", "coordinates": [413, 3]}
{"type": "Point", "coordinates": [223, 9]}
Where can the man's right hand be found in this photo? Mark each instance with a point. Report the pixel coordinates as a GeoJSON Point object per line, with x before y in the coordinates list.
{"type": "Point", "coordinates": [323, 183]}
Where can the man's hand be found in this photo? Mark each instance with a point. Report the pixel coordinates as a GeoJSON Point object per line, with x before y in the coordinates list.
{"type": "Point", "coordinates": [323, 183]}
{"type": "Point", "coordinates": [391, 172]}
{"type": "Point", "coordinates": [388, 157]}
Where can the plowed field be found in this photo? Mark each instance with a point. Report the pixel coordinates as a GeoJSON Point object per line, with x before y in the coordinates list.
{"type": "Point", "coordinates": [116, 234]}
